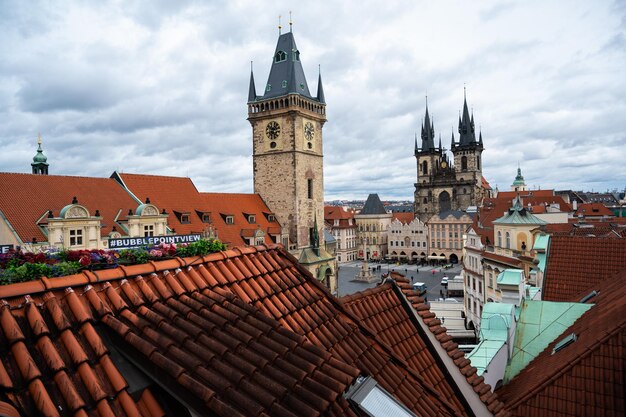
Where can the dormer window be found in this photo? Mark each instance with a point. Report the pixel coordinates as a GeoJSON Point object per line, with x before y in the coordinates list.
{"type": "Point", "coordinates": [230, 219]}
{"type": "Point", "coordinates": [280, 57]}
{"type": "Point", "coordinates": [296, 55]}
{"type": "Point", "coordinates": [284, 83]}
{"type": "Point", "coordinates": [271, 218]}
{"type": "Point", "coordinates": [184, 218]}
{"type": "Point", "coordinates": [251, 218]}
{"type": "Point", "coordinates": [205, 216]}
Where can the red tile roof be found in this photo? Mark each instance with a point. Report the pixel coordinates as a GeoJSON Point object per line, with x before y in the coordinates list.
{"type": "Point", "coordinates": [593, 209]}
{"type": "Point", "coordinates": [485, 183]}
{"type": "Point", "coordinates": [177, 194]}
{"type": "Point", "coordinates": [179, 327]}
{"type": "Point", "coordinates": [537, 193]}
{"type": "Point", "coordinates": [24, 198]}
{"type": "Point", "coordinates": [334, 213]}
{"type": "Point", "coordinates": [243, 332]}
{"type": "Point", "coordinates": [385, 312]}
{"type": "Point", "coordinates": [585, 377]}
{"type": "Point", "coordinates": [576, 262]}
{"type": "Point", "coordinates": [404, 218]}
{"type": "Point", "coordinates": [490, 256]}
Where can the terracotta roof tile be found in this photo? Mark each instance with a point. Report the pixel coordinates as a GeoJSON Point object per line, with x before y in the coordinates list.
{"type": "Point", "coordinates": [205, 330]}
{"type": "Point", "coordinates": [420, 356]}
{"type": "Point", "coordinates": [403, 217]}
{"type": "Point", "coordinates": [55, 192]}
{"type": "Point", "coordinates": [587, 376]}
{"type": "Point", "coordinates": [181, 195]}
{"type": "Point", "coordinates": [574, 263]}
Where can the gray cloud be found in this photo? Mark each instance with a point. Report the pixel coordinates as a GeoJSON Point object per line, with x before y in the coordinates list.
{"type": "Point", "coordinates": [160, 87]}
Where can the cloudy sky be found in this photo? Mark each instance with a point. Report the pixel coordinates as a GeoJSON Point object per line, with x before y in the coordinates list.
{"type": "Point", "coordinates": [160, 87]}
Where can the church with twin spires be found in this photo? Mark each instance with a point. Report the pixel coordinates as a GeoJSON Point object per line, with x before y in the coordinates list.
{"type": "Point", "coordinates": [445, 184]}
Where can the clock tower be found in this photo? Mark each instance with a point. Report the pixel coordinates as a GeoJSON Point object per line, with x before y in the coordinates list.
{"type": "Point", "coordinates": [287, 123]}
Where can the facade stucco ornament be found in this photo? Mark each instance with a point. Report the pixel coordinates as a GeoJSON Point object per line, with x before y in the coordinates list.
{"type": "Point", "coordinates": [150, 211]}
{"type": "Point", "coordinates": [76, 212]}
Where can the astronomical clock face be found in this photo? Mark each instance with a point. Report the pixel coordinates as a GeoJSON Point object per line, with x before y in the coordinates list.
{"type": "Point", "coordinates": [272, 130]}
{"type": "Point", "coordinates": [309, 131]}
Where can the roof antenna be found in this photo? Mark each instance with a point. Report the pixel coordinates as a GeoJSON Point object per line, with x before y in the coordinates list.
{"type": "Point", "coordinates": [290, 22]}
{"type": "Point", "coordinates": [279, 25]}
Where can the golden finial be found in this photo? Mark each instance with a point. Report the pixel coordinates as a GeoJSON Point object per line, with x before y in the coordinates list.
{"type": "Point", "coordinates": [290, 21]}
{"type": "Point", "coordinates": [279, 25]}
{"type": "Point", "coordinates": [39, 138]}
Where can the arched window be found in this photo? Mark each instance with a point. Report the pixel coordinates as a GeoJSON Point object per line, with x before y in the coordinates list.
{"type": "Point", "coordinates": [478, 162]}
{"type": "Point", "coordinates": [424, 167]}
{"type": "Point", "coordinates": [444, 201]}
{"type": "Point", "coordinates": [464, 190]}
{"type": "Point", "coordinates": [280, 56]}
{"type": "Point", "coordinates": [508, 240]}
{"type": "Point", "coordinates": [464, 163]}
{"type": "Point", "coordinates": [296, 55]}
{"type": "Point", "coordinates": [499, 239]}
{"type": "Point", "coordinates": [425, 200]}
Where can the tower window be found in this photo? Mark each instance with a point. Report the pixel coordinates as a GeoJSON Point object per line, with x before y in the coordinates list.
{"type": "Point", "coordinates": [464, 163]}
{"type": "Point", "coordinates": [284, 83]}
{"type": "Point", "coordinates": [269, 87]}
{"type": "Point", "coordinates": [478, 162]}
{"type": "Point", "coordinates": [280, 56]}
{"type": "Point", "coordinates": [424, 167]}
{"type": "Point", "coordinates": [296, 55]}
{"type": "Point", "coordinates": [508, 240]}
{"type": "Point", "coordinates": [309, 183]}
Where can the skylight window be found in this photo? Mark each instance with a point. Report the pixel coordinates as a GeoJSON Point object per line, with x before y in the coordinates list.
{"type": "Point", "coordinates": [563, 343]}
{"type": "Point", "coordinates": [374, 400]}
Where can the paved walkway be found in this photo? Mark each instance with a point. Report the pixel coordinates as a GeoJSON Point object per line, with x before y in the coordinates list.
{"type": "Point", "coordinates": [347, 272]}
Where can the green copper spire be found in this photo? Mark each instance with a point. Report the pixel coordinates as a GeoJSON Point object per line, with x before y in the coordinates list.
{"type": "Point", "coordinates": [519, 179]}
{"type": "Point", "coordinates": [39, 164]}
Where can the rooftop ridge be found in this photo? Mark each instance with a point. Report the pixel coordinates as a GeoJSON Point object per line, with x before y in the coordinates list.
{"type": "Point", "coordinates": [422, 309]}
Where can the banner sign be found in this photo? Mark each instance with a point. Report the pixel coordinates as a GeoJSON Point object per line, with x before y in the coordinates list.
{"type": "Point", "coordinates": [133, 242]}
{"type": "Point", "coordinates": [5, 248]}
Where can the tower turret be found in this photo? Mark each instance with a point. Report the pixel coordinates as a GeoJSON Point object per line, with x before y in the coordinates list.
{"type": "Point", "coordinates": [40, 164]}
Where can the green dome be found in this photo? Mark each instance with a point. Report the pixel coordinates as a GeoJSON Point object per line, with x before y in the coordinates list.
{"type": "Point", "coordinates": [519, 179]}
{"type": "Point", "coordinates": [40, 158]}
